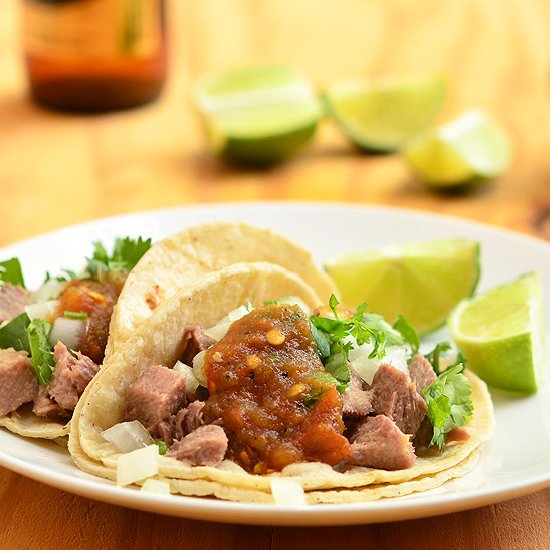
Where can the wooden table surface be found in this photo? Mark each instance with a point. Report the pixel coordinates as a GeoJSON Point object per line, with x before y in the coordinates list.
{"type": "Point", "coordinates": [57, 170]}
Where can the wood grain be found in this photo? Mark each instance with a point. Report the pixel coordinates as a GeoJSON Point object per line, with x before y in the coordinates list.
{"type": "Point", "coordinates": [58, 169]}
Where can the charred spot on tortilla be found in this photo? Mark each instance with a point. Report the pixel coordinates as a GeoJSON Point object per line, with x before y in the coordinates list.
{"type": "Point", "coordinates": [154, 297]}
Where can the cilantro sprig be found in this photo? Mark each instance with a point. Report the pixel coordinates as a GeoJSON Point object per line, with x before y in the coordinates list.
{"type": "Point", "coordinates": [11, 272]}
{"type": "Point", "coordinates": [38, 332]}
{"type": "Point", "coordinates": [434, 357]}
{"type": "Point", "coordinates": [449, 403]}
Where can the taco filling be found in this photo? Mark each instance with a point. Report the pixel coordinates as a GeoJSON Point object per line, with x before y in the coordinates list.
{"type": "Point", "coordinates": [273, 386]}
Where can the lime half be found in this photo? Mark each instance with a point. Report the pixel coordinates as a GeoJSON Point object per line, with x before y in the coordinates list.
{"type": "Point", "coordinates": [259, 114]}
{"type": "Point", "coordinates": [471, 148]}
{"type": "Point", "coordinates": [383, 115]}
{"type": "Point", "coordinates": [423, 282]}
{"type": "Point", "coordinates": [501, 334]}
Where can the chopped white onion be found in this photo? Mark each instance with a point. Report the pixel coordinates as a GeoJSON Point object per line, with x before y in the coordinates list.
{"type": "Point", "coordinates": [287, 492]}
{"type": "Point", "coordinates": [69, 331]}
{"type": "Point", "coordinates": [137, 465]}
{"type": "Point", "coordinates": [41, 310]}
{"type": "Point", "coordinates": [295, 301]}
{"type": "Point", "coordinates": [50, 290]}
{"type": "Point", "coordinates": [366, 367]}
{"type": "Point", "coordinates": [198, 368]}
{"type": "Point", "coordinates": [218, 331]}
{"type": "Point", "coordinates": [156, 486]}
{"type": "Point", "coordinates": [191, 382]}
{"type": "Point", "coordinates": [128, 436]}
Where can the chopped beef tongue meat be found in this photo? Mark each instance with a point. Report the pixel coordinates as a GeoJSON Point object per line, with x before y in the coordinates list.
{"type": "Point", "coordinates": [205, 446]}
{"type": "Point", "coordinates": [155, 396]}
{"type": "Point", "coordinates": [71, 375]}
{"type": "Point", "coordinates": [195, 341]}
{"type": "Point", "coordinates": [178, 425]}
{"type": "Point", "coordinates": [13, 300]}
{"type": "Point", "coordinates": [421, 372]}
{"type": "Point", "coordinates": [18, 383]}
{"type": "Point", "coordinates": [356, 401]}
{"type": "Point", "coordinates": [377, 442]}
{"type": "Point", "coordinates": [394, 395]}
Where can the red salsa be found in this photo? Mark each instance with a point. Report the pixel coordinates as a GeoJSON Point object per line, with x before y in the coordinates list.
{"type": "Point", "coordinates": [266, 384]}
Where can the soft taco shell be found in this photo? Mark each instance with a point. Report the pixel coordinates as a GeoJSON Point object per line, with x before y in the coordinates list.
{"type": "Point", "coordinates": [158, 342]}
{"type": "Point", "coordinates": [24, 422]}
{"type": "Point", "coordinates": [185, 257]}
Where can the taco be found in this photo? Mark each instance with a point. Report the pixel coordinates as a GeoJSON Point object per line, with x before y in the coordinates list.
{"type": "Point", "coordinates": [185, 257]}
{"type": "Point", "coordinates": [227, 389]}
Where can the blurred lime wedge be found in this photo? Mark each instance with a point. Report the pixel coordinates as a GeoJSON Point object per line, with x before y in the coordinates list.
{"type": "Point", "coordinates": [382, 115]}
{"type": "Point", "coordinates": [257, 115]}
{"type": "Point", "coordinates": [471, 148]}
{"type": "Point", "coordinates": [423, 282]}
{"type": "Point", "coordinates": [500, 332]}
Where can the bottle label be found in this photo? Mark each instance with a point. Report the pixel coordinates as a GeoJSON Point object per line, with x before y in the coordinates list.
{"type": "Point", "coordinates": [92, 28]}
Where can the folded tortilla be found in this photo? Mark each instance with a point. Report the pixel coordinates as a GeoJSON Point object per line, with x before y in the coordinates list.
{"type": "Point", "coordinates": [158, 341]}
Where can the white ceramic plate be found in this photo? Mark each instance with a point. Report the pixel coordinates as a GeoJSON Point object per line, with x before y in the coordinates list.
{"type": "Point", "coordinates": [515, 462]}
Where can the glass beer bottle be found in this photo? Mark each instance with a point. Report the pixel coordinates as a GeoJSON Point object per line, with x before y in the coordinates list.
{"type": "Point", "coordinates": [94, 55]}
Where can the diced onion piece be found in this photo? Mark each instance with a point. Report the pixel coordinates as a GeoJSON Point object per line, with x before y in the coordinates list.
{"type": "Point", "coordinates": [287, 492]}
{"type": "Point", "coordinates": [50, 290]}
{"type": "Point", "coordinates": [295, 301]}
{"type": "Point", "coordinates": [365, 367]}
{"type": "Point", "coordinates": [191, 382]}
{"type": "Point", "coordinates": [69, 331]}
{"type": "Point", "coordinates": [218, 331]}
{"type": "Point", "coordinates": [128, 436]}
{"type": "Point", "coordinates": [198, 368]}
{"type": "Point", "coordinates": [137, 465]}
{"type": "Point", "coordinates": [41, 310]}
{"type": "Point", "coordinates": [156, 486]}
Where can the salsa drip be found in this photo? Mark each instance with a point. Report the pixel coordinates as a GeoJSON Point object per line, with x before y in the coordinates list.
{"type": "Point", "coordinates": [264, 385]}
{"type": "Point", "coordinates": [97, 301]}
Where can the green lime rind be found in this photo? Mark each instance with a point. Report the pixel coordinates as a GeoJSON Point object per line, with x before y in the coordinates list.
{"type": "Point", "coordinates": [259, 114]}
{"type": "Point", "coordinates": [423, 282]}
{"type": "Point", "coordinates": [501, 334]}
{"type": "Point", "coordinates": [470, 149]}
{"type": "Point", "coordinates": [382, 116]}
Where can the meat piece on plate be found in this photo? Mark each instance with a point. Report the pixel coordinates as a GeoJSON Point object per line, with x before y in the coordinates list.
{"type": "Point", "coordinates": [377, 442]}
{"type": "Point", "coordinates": [206, 446]}
{"type": "Point", "coordinates": [421, 372]}
{"type": "Point", "coordinates": [195, 341]}
{"type": "Point", "coordinates": [156, 395]}
{"type": "Point", "coordinates": [18, 383]}
{"type": "Point", "coordinates": [71, 375]}
{"type": "Point", "coordinates": [355, 400]}
{"type": "Point", "coordinates": [180, 424]}
{"type": "Point", "coordinates": [13, 300]}
{"type": "Point", "coordinates": [44, 405]}
{"type": "Point", "coordinates": [394, 395]}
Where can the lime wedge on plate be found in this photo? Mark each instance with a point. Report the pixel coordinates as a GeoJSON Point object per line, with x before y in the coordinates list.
{"type": "Point", "coordinates": [422, 282]}
{"type": "Point", "coordinates": [501, 334]}
{"type": "Point", "coordinates": [471, 148]}
{"type": "Point", "coordinates": [257, 115]}
{"type": "Point", "coordinates": [382, 115]}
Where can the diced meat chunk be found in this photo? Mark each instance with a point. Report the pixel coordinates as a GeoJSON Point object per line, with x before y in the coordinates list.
{"type": "Point", "coordinates": [421, 372]}
{"type": "Point", "coordinates": [355, 400]}
{"type": "Point", "coordinates": [206, 446]}
{"type": "Point", "coordinates": [394, 395]}
{"type": "Point", "coordinates": [45, 406]}
{"type": "Point", "coordinates": [423, 435]}
{"type": "Point", "coordinates": [195, 341]}
{"type": "Point", "coordinates": [13, 300]}
{"type": "Point", "coordinates": [156, 395]}
{"type": "Point", "coordinates": [71, 375]}
{"type": "Point", "coordinates": [180, 424]}
{"type": "Point", "coordinates": [378, 443]}
{"type": "Point", "coordinates": [18, 383]}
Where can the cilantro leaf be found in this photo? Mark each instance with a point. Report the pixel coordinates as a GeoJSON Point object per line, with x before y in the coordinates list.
{"type": "Point", "coordinates": [10, 272]}
{"type": "Point", "coordinates": [322, 340]}
{"type": "Point", "coordinates": [332, 303]}
{"type": "Point", "coordinates": [14, 333]}
{"type": "Point", "coordinates": [409, 334]}
{"type": "Point", "coordinates": [41, 350]}
{"type": "Point", "coordinates": [337, 365]}
{"type": "Point", "coordinates": [434, 355]}
{"type": "Point", "coordinates": [449, 403]}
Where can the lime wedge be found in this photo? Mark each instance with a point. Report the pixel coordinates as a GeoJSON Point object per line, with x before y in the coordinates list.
{"type": "Point", "coordinates": [469, 149]}
{"type": "Point", "coordinates": [501, 334]}
{"type": "Point", "coordinates": [257, 115]}
{"type": "Point", "coordinates": [383, 115]}
{"type": "Point", "coordinates": [423, 282]}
